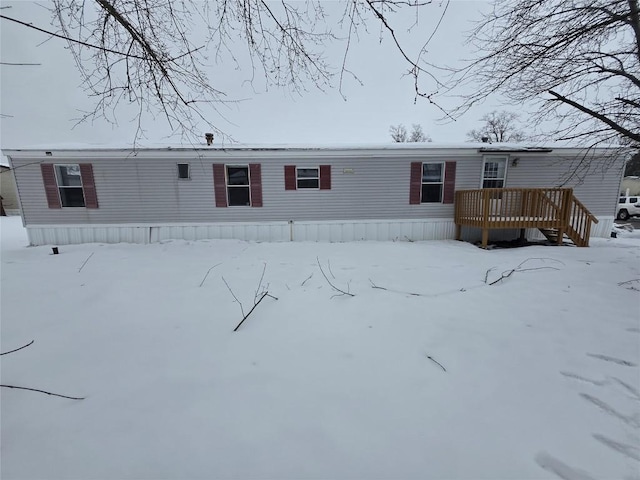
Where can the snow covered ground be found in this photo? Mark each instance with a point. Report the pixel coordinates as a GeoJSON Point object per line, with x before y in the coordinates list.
{"type": "Point", "coordinates": [441, 375]}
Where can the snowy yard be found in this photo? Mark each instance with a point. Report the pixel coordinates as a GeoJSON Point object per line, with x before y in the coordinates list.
{"type": "Point", "coordinates": [536, 376]}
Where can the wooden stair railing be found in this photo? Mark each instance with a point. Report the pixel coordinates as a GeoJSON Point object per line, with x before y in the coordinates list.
{"type": "Point", "coordinates": [556, 212]}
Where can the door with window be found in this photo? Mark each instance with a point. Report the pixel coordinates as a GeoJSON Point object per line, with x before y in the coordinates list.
{"type": "Point", "coordinates": [494, 175]}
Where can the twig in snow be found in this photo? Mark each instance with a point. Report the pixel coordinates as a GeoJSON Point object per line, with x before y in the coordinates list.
{"type": "Point", "coordinates": [235, 298]}
{"type": "Point", "coordinates": [306, 279]}
{"type": "Point", "coordinates": [24, 346]}
{"type": "Point", "coordinates": [342, 292]}
{"type": "Point", "coordinates": [486, 274]}
{"type": "Point", "coordinates": [43, 391]}
{"type": "Point", "coordinates": [207, 274]}
{"type": "Point", "coordinates": [85, 262]}
{"type": "Point", "coordinates": [436, 362]}
{"type": "Point", "coordinates": [507, 273]}
{"type": "Point", "coordinates": [633, 284]}
{"type": "Point", "coordinates": [258, 292]}
{"type": "Point", "coordinates": [265, 294]}
{"type": "Point", "coordinates": [373, 285]}
{"type": "Point", "coordinates": [330, 271]}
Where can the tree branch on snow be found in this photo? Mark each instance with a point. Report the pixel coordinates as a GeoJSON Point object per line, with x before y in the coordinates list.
{"type": "Point", "coordinates": [507, 273]}
{"type": "Point", "coordinates": [486, 274]}
{"type": "Point", "coordinates": [306, 279]}
{"type": "Point", "coordinates": [258, 291]}
{"type": "Point", "coordinates": [234, 297]}
{"type": "Point", "coordinates": [256, 301]}
{"type": "Point", "coordinates": [373, 285]}
{"type": "Point", "coordinates": [631, 284]}
{"type": "Point", "coordinates": [340, 291]}
{"type": "Point", "coordinates": [207, 274]}
{"type": "Point", "coordinates": [24, 346]}
{"type": "Point", "coordinates": [42, 391]}
{"type": "Point", "coordinates": [85, 262]}
{"type": "Point", "coordinates": [436, 362]}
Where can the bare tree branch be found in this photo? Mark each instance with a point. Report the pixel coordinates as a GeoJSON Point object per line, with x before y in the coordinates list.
{"type": "Point", "coordinates": [574, 62]}
{"type": "Point", "coordinates": [42, 391]}
{"type": "Point", "coordinates": [342, 292]}
{"type": "Point", "coordinates": [15, 350]}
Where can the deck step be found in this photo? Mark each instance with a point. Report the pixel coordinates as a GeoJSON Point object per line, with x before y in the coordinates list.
{"type": "Point", "coordinates": [551, 234]}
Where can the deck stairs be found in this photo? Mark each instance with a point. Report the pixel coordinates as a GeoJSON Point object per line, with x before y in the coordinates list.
{"type": "Point", "coordinates": [551, 234]}
{"type": "Point", "coordinates": [556, 212]}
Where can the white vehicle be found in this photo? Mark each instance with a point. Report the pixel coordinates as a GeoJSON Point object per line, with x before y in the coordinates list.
{"type": "Point", "coordinates": [628, 207]}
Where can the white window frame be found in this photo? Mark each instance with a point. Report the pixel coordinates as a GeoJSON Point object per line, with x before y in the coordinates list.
{"type": "Point", "coordinates": [493, 158]}
{"type": "Point", "coordinates": [227, 186]}
{"type": "Point", "coordinates": [55, 173]}
{"type": "Point", "coordinates": [188, 177]}
{"type": "Point", "coordinates": [308, 178]}
{"type": "Point", "coordinates": [432, 183]}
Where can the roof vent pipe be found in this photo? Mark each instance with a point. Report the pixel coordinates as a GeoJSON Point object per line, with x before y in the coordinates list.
{"type": "Point", "coordinates": [209, 138]}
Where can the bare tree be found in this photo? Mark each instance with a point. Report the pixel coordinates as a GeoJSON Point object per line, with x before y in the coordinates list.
{"type": "Point", "coordinates": [498, 127]}
{"type": "Point", "coordinates": [399, 134]}
{"type": "Point", "coordinates": [417, 135]}
{"type": "Point", "coordinates": [150, 53]}
{"type": "Point", "coordinates": [578, 60]}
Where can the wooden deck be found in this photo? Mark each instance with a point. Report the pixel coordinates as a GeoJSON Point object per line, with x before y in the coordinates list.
{"type": "Point", "coordinates": [556, 212]}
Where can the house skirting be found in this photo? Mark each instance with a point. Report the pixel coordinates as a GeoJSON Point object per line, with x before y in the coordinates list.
{"type": "Point", "coordinates": [310, 231]}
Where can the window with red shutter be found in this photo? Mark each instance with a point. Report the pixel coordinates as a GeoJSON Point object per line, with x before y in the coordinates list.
{"type": "Point", "coordinates": [88, 185]}
{"type": "Point", "coordinates": [289, 177]}
{"type": "Point", "coordinates": [255, 173]}
{"type": "Point", "coordinates": [50, 185]}
{"type": "Point", "coordinates": [449, 182]}
{"type": "Point", "coordinates": [432, 182]}
{"type": "Point", "coordinates": [325, 177]}
{"type": "Point", "coordinates": [219, 185]}
{"type": "Point", "coordinates": [415, 186]}
{"type": "Point", "coordinates": [69, 185]}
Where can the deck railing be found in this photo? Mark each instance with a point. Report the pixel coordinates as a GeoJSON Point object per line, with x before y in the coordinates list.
{"type": "Point", "coordinates": [512, 208]}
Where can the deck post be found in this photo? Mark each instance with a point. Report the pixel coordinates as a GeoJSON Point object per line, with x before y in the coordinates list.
{"type": "Point", "coordinates": [485, 237]}
{"type": "Point", "coordinates": [523, 234]}
{"type": "Point", "coordinates": [458, 231]}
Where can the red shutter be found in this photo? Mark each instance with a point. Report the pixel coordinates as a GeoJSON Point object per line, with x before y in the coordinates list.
{"type": "Point", "coordinates": [415, 190]}
{"type": "Point", "coordinates": [50, 185]}
{"type": "Point", "coordinates": [88, 185]}
{"type": "Point", "coordinates": [219, 185]}
{"type": "Point", "coordinates": [449, 182]}
{"type": "Point", "coordinates": [255, 176]}
{"type": "Point", "coordinates": [289, 177]}
{"type": "Point", "coordinates": [325, 177]}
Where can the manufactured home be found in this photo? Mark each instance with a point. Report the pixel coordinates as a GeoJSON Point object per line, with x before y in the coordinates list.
{"type": "Point", "coordinates": [314, 193]}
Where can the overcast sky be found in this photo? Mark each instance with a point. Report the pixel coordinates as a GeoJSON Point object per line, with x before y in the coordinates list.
{"type": "Point", "coordinates": [39, 103]}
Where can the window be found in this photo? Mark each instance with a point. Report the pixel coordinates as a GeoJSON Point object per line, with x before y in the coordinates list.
{"type": "Point", "coordinates": [308, 177]}
{"type": "Point", "coordinates": [432, 182]}
{"type": "Point", "coordinates": [316, 178]}
{"type": "Point", "coordinates": [494, 172]}
{"type": "Point", "coordinates": [69, 183]}
{"type": "Point", "coordinates": [238, 190]}
{"type": "Point", "coordinates": [183, 171]}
